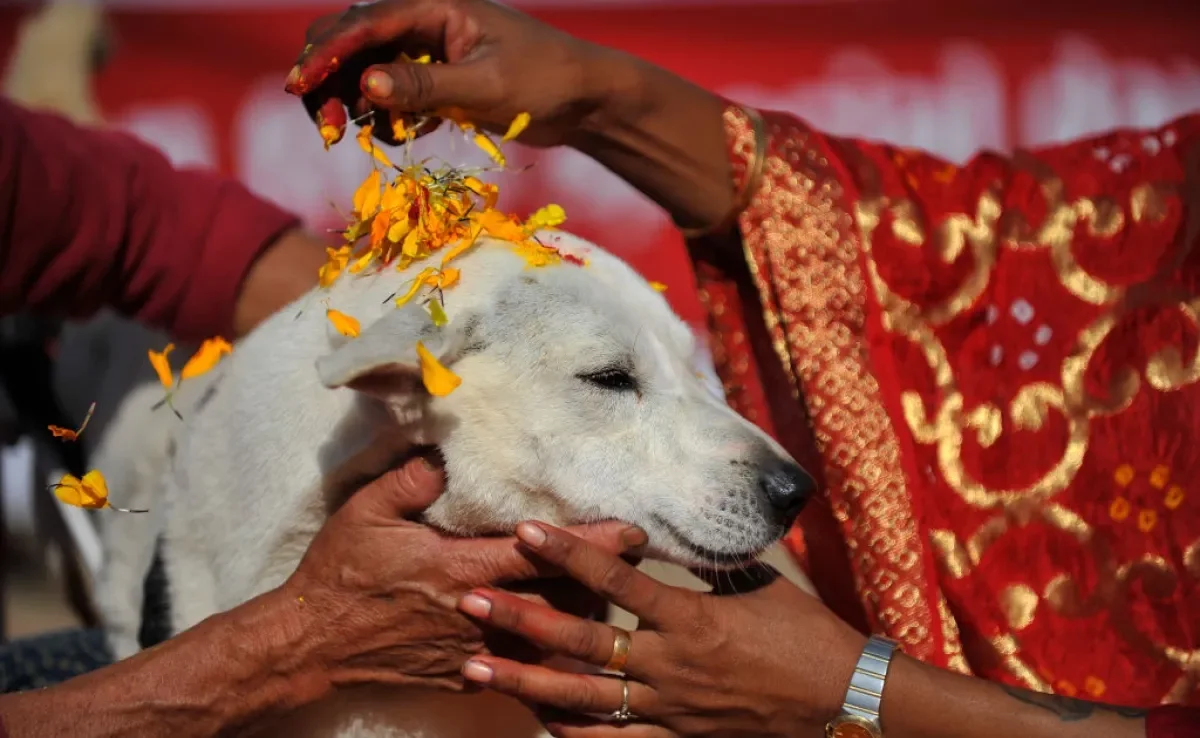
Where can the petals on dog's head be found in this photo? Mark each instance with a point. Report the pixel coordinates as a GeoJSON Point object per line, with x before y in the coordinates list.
{"type": "Point", "coordinates": [383, 360]}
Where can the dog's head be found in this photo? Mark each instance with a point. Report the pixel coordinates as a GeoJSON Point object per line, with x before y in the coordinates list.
{"type": "Point", "coordinates": [580, 401]}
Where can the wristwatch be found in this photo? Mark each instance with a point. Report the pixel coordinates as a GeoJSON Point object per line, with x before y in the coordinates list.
{"type": "Point", "coordinates": [860, 709]}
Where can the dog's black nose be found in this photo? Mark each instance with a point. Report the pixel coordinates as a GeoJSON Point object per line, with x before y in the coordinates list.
{"type": "Point", "coordinates": [787, 487]}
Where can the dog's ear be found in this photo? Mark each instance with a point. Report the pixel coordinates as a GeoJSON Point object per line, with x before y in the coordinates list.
{"type": "Point", "coordinates": [382, 361]}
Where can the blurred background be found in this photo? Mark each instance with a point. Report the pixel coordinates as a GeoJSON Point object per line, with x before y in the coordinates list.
{"type": "Point", "coordinates": [202, 80]}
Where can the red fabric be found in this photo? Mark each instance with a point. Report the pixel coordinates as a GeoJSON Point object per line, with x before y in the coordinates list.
{"type": "Point", "coordinates": [1000, 365]}
{"type": "Point", "coordinates": [90, 218]}
{"type": "Point", "coordinates": [1167, 722]}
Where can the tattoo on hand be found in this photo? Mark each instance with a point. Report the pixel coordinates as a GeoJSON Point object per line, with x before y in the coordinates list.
{"type": "Point", "coordinates": [1067, 709]}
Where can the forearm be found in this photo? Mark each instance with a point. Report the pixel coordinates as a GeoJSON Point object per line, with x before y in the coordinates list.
{"type": "Point", "coordinates": [663, 135]}
{"type": "Point", "coordinates": [231, 670]}
{"type": "Point", "coordinates": [921, 701]}
{"type": "Point", "coordinates": [283, 273]}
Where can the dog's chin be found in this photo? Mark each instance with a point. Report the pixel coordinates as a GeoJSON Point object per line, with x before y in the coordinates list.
{"type": "Point", "coordinates": [668, 543]}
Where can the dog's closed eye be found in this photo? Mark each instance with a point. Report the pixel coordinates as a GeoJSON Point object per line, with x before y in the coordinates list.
{"type": "Point", "coordinates": [611, 378]}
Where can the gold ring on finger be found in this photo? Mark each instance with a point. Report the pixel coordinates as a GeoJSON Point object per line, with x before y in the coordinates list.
{"type": "Point", "coordinates": [622, 642]}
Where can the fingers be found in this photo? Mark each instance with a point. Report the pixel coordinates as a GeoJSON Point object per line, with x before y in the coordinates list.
{"type": "Point", "coordinates": [405, 87]}
{"type": "Point", "coordinates": [494, 561]}
{"type": "Point", "coordinates": [582, 693]}
{"type": "Point", "coordinates": [401, 493]}
{"type": "Point", "coordinates": [600, 571]}
{"type": "Point", "coordinates": [550, 629]}
{"type": "Point", "coordinates": [361, 27]}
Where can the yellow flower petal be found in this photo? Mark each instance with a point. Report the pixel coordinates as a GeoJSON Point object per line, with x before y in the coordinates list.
{"type": "Point", "coordinates": [499, 225]}
{"type": "Point", "coordinates": [518, 125]}
{"type": "Point", "coordinates": [418, 282]}
{"type": "Point", "coordinates": [343, 323]}
{"type": "Point", "coordinates": [90, 493]}
{"type": "Point", "coordinates": [438, 313]}
{"type": "Point", "coordinates": [162, 366]}
{"type": "Point", "coordinates": [366, 197]}
{"type": "Point", "coordinates": [205, 358]}
{"type": "Point", "coordinates": [368, 145]}
{"type": "Point", "coordinates": [490, 148]}
{"type": "Point", "coordinates": [463, 245]}
{"type": "Point", "coordinates": [658, 286]}
{"type": "Point", "coordinates": [448, 277]}
{"type": "Point", "coordinates": [550, 216]}
{"type": "Point", "coordinates": [439, 380]}
{"type": "Point", "coordinates": [330, 135]}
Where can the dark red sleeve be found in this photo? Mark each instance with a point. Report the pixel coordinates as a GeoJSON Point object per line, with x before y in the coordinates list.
{"type": "Point", "coordinates": [90, 218]}
{"type": "Point", "coordinates": [1173, 721]}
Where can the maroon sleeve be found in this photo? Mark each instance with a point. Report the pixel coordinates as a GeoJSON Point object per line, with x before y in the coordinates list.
{"type": "Point", "coordinates": [90, 218]}
{"type": "Point", "coordinates": [1173, 721]}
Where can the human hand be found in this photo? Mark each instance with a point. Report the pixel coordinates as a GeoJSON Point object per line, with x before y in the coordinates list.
{"type": "Point", "coordinates": [498, 62]}
{"type": "Point", "coordinates": [376, 593]}
{"type": "Point", "coordinates": [769, 662]}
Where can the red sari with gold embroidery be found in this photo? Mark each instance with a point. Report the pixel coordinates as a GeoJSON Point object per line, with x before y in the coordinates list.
{"type": "Point", "coordinates": [995, 371]}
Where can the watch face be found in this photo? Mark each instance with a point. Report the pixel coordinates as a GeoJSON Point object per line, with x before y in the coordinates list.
{"type": "Point", "coordinates": [851, 726]}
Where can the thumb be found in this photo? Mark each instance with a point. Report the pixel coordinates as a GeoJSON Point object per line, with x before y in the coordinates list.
{"type": "Point", "coordinates": [404, 492]}
{"type": "Point", "coordinates": [406, 87]}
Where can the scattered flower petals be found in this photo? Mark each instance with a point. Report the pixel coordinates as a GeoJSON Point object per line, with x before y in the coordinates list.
{"type": "Point", "coordinates": [438, 314]}
{"type": "Point", "coordinates": [368, 145]}
{"type": "Point", "coordinates": [330, 135]}
{"type": "Point", "coordinates": [518, 126]}
{"type": "Point", "coordinates": [344, 324]}
{"type": "Point", "coordinates": [162, 366]}
{"type": "Point", "coordinates": [205, 358]}
{"type": "Point", "coordinates": [439, 380]}
{"type": "Point", "coordinates": [550, 216]}
{"type": "Point", "coordinates": [491, 149]}
{"type": "Point", "coordinates": [90, 493]}
{"type": "Point", "coordinates": [72, 435]}
{"type": "Point", "coordinates": [658, 286]}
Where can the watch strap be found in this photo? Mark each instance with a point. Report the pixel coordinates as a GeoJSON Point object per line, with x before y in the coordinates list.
{"type": "Point", "coordinates": [865, 694]}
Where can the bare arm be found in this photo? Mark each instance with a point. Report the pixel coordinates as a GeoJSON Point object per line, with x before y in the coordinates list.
{"type": "Point", "coordinates": [921, 701]}
{"type": "Point", "coordinates": [231, 670]}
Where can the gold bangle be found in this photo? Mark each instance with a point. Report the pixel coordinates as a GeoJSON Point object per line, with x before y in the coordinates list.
{"type": "Point", "coordinates": [750, 185]}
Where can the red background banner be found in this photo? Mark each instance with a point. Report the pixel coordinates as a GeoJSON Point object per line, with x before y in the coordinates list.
{"type": "Point", "coordinates": [203, 81]}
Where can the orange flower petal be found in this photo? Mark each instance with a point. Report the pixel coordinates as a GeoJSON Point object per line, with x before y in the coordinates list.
{"type": "Point", "coordinates": [439, 380]}
{"type": "Point", "coordinates": [162, 367]}
{"type": "Point", "coordinates": [518, 125]}
{"type": "Point", "coordinates": [344, 324]}
{"type": "Point", "coordinates": [205, 358]}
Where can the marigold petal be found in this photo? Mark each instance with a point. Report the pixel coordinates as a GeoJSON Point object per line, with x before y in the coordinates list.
{"type": "Point", "coordinates": [366, 197]}
{"type": "Point", "coordinates": [368, 145]}
{"type": "Point", "coordinates": [489, 147]}
{"type": "Point", "coordinates": [162, 366]}
{"type": "Point", "coordinates": [438, 314]}
{"type": "Point", "coordinates": [658, 286]}
{"type": "Point", "coordinates": [330, 135]}
{"type": "Point", "coordinates": [344, 324]}
{"type": "Point", "coordinates": [550, 216]}
{"type": "Point", "coordinates": [518, 125]}
{"type": "Point", "coordinates": [448, 277]}
{"type": "Point", "coordinates": [439, 380]}
{"type": "Point", "coordinates": [90, 493]}
{"type": "Point", "coordinates": [418, 282]}
{"type": "Point", "coordinates": [205, 358]}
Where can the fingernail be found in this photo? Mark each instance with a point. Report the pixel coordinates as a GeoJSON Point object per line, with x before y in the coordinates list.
{"type": "Point", "coordinates": [634, 537]}
{"type": "Point", "coordinates": [378, 84]}
{"type": "Point", "coordinates": [475, 605]}
{"type": "Point", "coordinates": [531, 534]}
{"type": "Point", "coordinates": [477, 671]}
{"type": "Point", "coordinates": [433, 462]}
{"type": "Point", "coordinates": [293, 77]}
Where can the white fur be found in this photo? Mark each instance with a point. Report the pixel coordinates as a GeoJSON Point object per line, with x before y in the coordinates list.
{"type": "Point", "coordinates": [266, 439]}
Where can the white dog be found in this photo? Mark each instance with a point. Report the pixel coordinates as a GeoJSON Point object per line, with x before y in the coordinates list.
{"type": "Point", "coordinates": [579, 402]}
